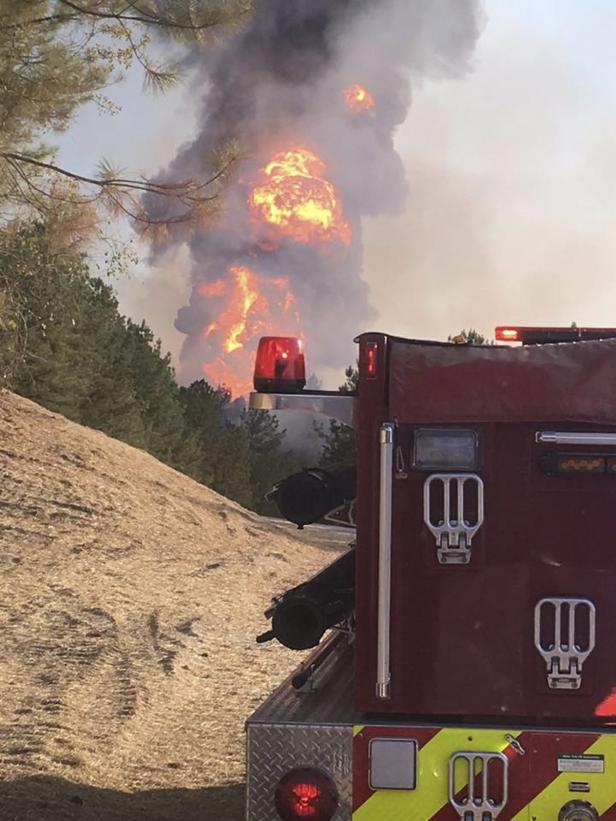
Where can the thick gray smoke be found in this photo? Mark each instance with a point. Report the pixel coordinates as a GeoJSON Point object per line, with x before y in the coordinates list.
{"type": "Point", "coordinates": [279, 84]}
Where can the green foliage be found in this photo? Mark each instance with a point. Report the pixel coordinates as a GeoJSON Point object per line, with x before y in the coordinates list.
{"type": "Point", "coordinates": [166, 433]}
{"type": "Point", "coordinates": [233, 467]}
{"type": "Point", "coordinates": [86, 361]}
{"type": "Point", "coordinates": [339, 444]}
{"type": "Point", "coordinates": [83, 359]}
{"type": "Point", "coordinates": [56, 56]}
{"type": "Point", "coordinates": [44, 283]}
{"type": "Point", "coordinates": [11, 333]}
{"type": "Point", "coordinates": [242, 461]}
{"type": "Point", "coordinates": [339, 440]}
{"type": "Point", "coordinates": [469, 337]}
{"type": "Point", "coordinates": [204, 408]}
{"type": "Point", "coordinates": [270, 459]}
{"type": "Point", "coordinates": [351, 381]}
{"type": "Point", "coordinates": [111, 402]}
{"type": "Point", "coordinates": [45, 76]}
{"type": "Point", "coordinates": [265, 441]}
{"type": "Point", "coordinates": [223, 460]}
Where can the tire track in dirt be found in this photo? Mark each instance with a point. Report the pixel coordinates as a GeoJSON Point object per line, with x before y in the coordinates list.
{"type": "Point", "coordinates": [130, 597]}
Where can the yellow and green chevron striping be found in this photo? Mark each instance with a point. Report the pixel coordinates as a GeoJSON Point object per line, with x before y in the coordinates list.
{"type": "Point", "coordinates": [537, 790]}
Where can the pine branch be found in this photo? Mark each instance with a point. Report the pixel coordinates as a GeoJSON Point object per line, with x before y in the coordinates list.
{"type": "Point", "coordinates": [157, 78]}
{"type": "Point", "coordinates": [122, 194]}
{"type": "Point", "coordinates": [141, 17]}
{"type": "Point", "coordinates": [187, 188]}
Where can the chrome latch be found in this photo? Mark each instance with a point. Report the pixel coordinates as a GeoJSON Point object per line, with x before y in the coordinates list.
{"type": "Point", "coordinates": [565, 651]}
{"type": "Point", "coordinates": [453, 532]}
{"type": "Point", "coordinates": [480, 801]}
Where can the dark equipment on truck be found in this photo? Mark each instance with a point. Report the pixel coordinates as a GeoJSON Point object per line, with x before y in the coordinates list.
{"type": "Point", "coordinates": [303, 614]}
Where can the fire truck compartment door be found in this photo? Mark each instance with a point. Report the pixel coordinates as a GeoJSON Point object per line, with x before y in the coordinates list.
{"type": "Point", "coordinates": [552, 775]}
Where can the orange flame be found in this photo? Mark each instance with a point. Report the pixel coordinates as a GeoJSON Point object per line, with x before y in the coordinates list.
{"type": "Point", "coordinates": [358, 99]}
{"type": "Point", "coordinates": [247, 298]}
{"type": "Point", "coordinates": [254, 306]}
{"type": "Point", "coordinates": [216, 288]}
{"type": "Point", "coordinates": [296, 197]}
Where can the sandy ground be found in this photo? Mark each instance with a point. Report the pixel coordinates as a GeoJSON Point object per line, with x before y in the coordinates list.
{"type": "Point", "coordinates": [130, 599]}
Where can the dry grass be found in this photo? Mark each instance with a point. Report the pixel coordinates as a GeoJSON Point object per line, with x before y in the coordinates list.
{"type": "Point", "coordinates": [130, 598]}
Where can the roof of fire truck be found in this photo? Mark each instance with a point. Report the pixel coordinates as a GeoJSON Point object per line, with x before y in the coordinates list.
{"type": "Point", "coordinates": [435, 382]}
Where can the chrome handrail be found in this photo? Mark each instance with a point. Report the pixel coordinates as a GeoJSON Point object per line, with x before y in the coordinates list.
{"type": "Point", "coordinates": [596, 439]}
{"type": "Point", "coordinates": [383, 676]}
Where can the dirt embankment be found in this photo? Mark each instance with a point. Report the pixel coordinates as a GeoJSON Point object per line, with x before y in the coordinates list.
{"type": "Point", "coordinates": [130, 598]}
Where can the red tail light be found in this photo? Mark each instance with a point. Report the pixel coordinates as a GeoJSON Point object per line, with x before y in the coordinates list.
{"type": "Point", "coordinates": [508, 334]}
{"type": "Point", "coordinates": [538, 336]}
{"type": "Point", "coordinates": [280, 365]}
{"type": "Point", "coordinates": [306, 793]}
{"type": "Point", "coordinates": [368, 360]}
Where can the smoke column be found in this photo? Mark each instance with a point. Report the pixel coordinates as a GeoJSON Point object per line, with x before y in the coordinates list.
{"type": "Point", "coordinates": [312, 91]}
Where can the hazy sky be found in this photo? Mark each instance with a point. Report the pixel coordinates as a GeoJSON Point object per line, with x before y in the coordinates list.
{"type": "Point", "coordinates": [513, 203]}
{"type": "Point", "coordinates": [512, 173]}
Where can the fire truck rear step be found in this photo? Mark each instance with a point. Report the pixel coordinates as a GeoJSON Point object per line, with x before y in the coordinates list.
{"type": "Point", "coordinates": [310, 727]}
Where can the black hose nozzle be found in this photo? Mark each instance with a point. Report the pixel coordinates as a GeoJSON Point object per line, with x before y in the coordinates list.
{"type": "Point", "coordinates": [303, 614]}
{"type": "Point", "coordinates": [307, 497]}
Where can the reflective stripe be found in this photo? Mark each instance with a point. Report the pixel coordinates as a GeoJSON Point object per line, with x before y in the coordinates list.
{"type": "Point", "coordinates": [602, 785]}
{"type": "Point", "coordinates": [432, 782]}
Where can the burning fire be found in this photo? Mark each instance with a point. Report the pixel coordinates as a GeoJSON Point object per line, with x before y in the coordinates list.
{"type": "Point", "coordinates": [358, 99]}
{"type": "Point", "coordinates": [293, 196]}
{"type": "Point", "coordinates": [296, 197]}
{"type": "Point", "coordinates": [253, 306]}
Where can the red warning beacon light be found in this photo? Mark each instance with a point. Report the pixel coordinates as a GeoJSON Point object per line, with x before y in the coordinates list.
{"type": "Point", "coordinates": [280, 366]}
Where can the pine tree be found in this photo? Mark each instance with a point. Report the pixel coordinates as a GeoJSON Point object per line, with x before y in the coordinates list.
{"type": "Point", "coordinates": [203, 411]}
{"type": "Point", "coordinates": [267, 464]}
{"type": "Point", "coordinates": [166, 434]}
{"type": "Point", "coordinates": [86, 361]}
{"type": "Point", "coordinates": [233, 465]}
{"type": "Point", "coordinates": [339, 444]}
{"type": "Point", "coordinates": [468, 337]}
{"type": "Point", "coordinates": [351, 381]}
{"type": "Point", "coordinates": [56, 56]}
{"type": "Point", "coordinates": [339, 441]}
{"type": "Point", "coordinates": [111, 404]}
{"type": "Point", "coordinates": [49, 286]}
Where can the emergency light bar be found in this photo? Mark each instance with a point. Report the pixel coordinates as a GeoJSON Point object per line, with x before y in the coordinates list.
{"type": "Point", "coordinates": [279, 365]}
{"type": "Point", "coordinates": [538, 335]}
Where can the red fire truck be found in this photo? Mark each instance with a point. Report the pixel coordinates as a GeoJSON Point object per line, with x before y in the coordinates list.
{"type": "Point", "coordinates": [471, 670]}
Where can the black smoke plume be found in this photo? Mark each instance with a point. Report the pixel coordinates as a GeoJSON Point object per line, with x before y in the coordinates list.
{"type": "Point", "coordinates": [279, 83]}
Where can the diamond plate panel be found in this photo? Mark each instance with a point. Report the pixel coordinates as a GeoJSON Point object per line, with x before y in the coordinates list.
{"type": "Point", "coordinates": [273, 749]}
